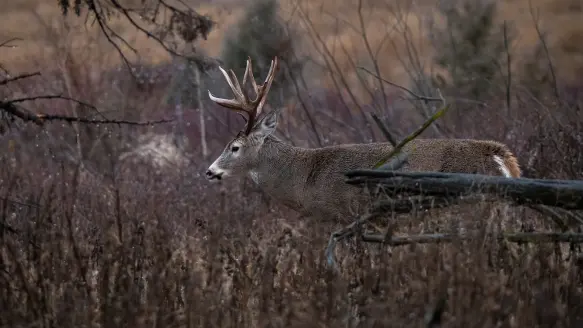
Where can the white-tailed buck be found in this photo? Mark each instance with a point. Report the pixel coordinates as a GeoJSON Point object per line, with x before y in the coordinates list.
{"type": "Point", "coordinates": [311, 181]}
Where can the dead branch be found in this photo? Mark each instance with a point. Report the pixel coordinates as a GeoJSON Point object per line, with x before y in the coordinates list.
{"type": "Point", "coordinates": [536, 21]}
{"type": "Point", "coordinates": [412, 136]}
{"type": "Point", "coordinates": [395, 206]}
{"type": "Point", "coordinates": [421, 203]}
{"type": "Point", "coordinates": [566, 194]}
{"type": "Point", "coordinates": [71, 119]}
{"type": "Point", "coordinates": [331, 64]}
{"type": "Point", "coordinates": [13, 109]}
{"type": "Point", "coordinates": [188, 24]}
{"type": "Point", "coordinates": [40, 118]}
{"type": "Point", "coordinates": [344, 233]}
{"type": "Point", "coordinates": [18, 77]}
{"type": "Point", "coordinates": [384, 129]}
{"type": "Point", "coordinates": [5, 43]}
{"type": "Point", "coordinates": [413, 94]}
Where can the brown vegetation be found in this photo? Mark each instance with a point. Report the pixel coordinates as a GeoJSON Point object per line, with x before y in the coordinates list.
{"type": "Point", "coordinates": [90, 236]}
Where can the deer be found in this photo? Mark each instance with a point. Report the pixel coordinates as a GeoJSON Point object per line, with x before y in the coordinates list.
{"type": "Point", "coordinates": [311, 181]}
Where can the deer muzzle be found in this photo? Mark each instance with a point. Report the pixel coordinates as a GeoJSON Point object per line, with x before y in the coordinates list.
{"type": "Point", "coordinates": [211, 175]}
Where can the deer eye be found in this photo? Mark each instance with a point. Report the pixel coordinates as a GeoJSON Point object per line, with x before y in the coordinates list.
{"type": "Point", "coordinates": [234, 149]}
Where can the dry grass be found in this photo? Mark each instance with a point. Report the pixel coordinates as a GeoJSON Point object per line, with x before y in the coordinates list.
{"type": "Point", "coordinates": [123, 242]}
{"type": "Point", "coordinates": [176, 252]}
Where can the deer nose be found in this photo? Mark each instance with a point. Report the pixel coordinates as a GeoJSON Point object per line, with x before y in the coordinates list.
{"type": "Point", "coordinates": [212, 175]}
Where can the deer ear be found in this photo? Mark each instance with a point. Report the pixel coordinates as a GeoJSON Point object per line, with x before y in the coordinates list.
{"type": "Point", "coordinates": [267, 125]}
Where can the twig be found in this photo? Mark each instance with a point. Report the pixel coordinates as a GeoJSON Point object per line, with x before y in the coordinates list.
{"type": "Point", "coordinates": [40, 118]}
{"type": "Point", "coordinates": [416, 96]}
{"type": "Point", "coordinates": [70, 119]}
{"type": "Point", "coordinates": [425, 125]}
{"type": "Point", "coordinates": [101, 21]}
{"type": "Point", "coordinates": [384, 129]}
{"type": "Point", "coordinates": [557, 215]}
{"type": "Point", "coordinates": [344, 233]}
{"type": "Point", "coordinates": [535, 20]}
{"type": "Point", "coordinates": [331, 64]}
{"type": "Point", "coordinates": [371, 55]}
{"type": "Point", "coordinates": [420, 203]}
{"type": "Point", "coordinates": [412, 136]}
{"type": "Point", "coordinates": [18, 77]}
{"type": "Point", "coordinates": [198, 59]}
{"type": "Point", "coordinates": [5, 43]}
{"type": "Point", "coordinates": [51, 97]}
{"type": "Point", "coordinates": [396, 163]}
{"type": "Point", "coordinates": [508, 67]}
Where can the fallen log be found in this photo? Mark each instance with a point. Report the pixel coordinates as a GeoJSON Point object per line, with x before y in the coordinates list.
{"type": "Point", "coordinates": [567, 194]}
{"type": "Point", "coordinates": [521, 237]}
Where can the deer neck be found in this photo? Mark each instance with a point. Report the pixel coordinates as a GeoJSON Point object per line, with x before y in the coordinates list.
{"type": "Point", "coordinates": [275, 162]}
{"type": "Point", "coordinates": [276, 170]}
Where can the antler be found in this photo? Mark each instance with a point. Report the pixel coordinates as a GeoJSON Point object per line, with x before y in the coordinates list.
{"type": "Point", "coordinates": [242, 103]}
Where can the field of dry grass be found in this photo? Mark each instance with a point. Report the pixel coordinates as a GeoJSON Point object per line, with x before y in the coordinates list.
{"type": "Point", "coordinates": [116, 226]}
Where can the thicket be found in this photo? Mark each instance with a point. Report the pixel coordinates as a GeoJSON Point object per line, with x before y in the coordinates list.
{"type": "Point", "coordinates": [127, 243]}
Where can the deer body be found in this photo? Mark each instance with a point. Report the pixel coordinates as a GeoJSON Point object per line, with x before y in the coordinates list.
{"type": "Point", "coordinates": [311, 180]}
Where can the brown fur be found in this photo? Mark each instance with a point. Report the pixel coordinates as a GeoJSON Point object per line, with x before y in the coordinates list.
{"type": "Point", "coordinates": [311, 181]}
{"type": "Point", "coordinates": [461, 156]}
{"type": "Point", "coordinates": [512, 163]}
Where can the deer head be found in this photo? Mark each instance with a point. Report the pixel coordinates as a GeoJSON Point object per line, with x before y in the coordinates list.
{"type": "Point", "coordinates": [241, 153]}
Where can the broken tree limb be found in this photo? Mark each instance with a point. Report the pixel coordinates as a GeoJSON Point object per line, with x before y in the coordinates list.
{"type": "Point", "coordinates": [420, 203]}
{"type": "Point", "coordinates": [566, 194]}
{"type": "Point", "coordinates": [522, 237]}
{"type": "Point", "coordinates": [344, 233]}
{"type": "Point", "coordinates": [396, 206]}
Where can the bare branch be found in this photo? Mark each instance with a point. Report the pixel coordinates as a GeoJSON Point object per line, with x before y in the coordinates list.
{"type": "Point", "coordinates": [21, 113]}
{"type": "Point", "coordinates": [344, 233]}
{"type": "Point", "coordinates": [371, 54]}
{"type": "Point", "coordinates": [105, 28]}
{"type": "Point", "coordinates": [5, 43]}
{"type": "Point", "coordinates": [70, 119]}
{"type": "Point", "coordinates": [331, 64]}
{"type": "Point", "coordinates": [384, 129]}
{"type": "Point", "coordinates": [416, 96]}
{"type": "Point", "coordinates": [412, 136]}
{"type": "Point", "coordinates": [535, 20]}
{"type": "Point", "coordinates": [40, 118]}
{"type": "Point", "coordinates": [18, 77]}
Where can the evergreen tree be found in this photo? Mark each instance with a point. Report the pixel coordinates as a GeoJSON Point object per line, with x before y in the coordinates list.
{"type": "Point", "coordinates": [471, 46]}
{"type": "Point", "coordinates": [261, 35]}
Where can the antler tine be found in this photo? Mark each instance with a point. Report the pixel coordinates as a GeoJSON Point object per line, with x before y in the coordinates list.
{"type": "Point", "coordinates": [249, 73]}
{"type": "Point", "coordinates": [240, 102]}
{"type": "Point", "coordinates": [264, 88]}
{"type": "Point", "coordinates": [262, 92]}
{"type": "Point", "coordinates": [244, 99]}
{"type": "Point", "coordinates": [234, 87]}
